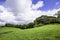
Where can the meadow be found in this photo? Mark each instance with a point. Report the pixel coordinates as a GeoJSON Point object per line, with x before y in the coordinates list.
{"type": "Point", "coordinates": [46, 32]}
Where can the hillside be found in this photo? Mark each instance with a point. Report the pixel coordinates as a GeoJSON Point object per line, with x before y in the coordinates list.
{"type": "Point", "coordinates": [47, 32]}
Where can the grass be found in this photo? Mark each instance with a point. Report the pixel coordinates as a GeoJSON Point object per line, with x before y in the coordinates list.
{"type": "Point", "coordinates": [47, 32]}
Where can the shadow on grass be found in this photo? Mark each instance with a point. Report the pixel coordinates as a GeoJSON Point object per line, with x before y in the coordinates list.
{"type": "Point", "coordinates": [58, 37]}
{"type": "Point", "coordinates": [6, 32]}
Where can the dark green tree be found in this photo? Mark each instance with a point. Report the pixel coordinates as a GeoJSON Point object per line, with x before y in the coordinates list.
{"type": "Point", "coordinates": [30, 25]}
{"type": "Point", "coordinates": [45, 20]}
{"type": "Point", "coordinates": [9, 25]}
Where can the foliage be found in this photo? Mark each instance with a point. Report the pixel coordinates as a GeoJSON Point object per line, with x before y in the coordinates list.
{"type": "Point", "coordinates": [46, 20]}
{"type": "Point", "coordinates": [30, 25]}
{"type": "Point", "coordinates": [9, 25]}
{"type": "Point", "coordinates": [58, 14]}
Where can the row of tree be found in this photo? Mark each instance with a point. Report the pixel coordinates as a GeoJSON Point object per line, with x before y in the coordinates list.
{"type": "Point", "coordinates": [42, 20]}
{"type": "Point", "coordinates": [24, 26]}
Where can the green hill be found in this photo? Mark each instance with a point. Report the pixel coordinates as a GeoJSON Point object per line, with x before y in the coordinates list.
{"type": "Point", "coordinates": [47, 32]}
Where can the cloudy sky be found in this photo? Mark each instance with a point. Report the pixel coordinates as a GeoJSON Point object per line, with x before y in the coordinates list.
{"type": "Point", "coordinates": [25, 11]}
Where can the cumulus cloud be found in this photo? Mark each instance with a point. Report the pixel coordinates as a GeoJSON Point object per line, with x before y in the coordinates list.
{"type": "Point", "coordinates": [2, 23]}
{"type": "Point", "coordinates": [58, 4]}
{"type": "Point", "coordinates": [6, 16]}
{"type": "Point", "coordinates": [39, 4]}
{"type": "Point", "coordinates": [21, 11]}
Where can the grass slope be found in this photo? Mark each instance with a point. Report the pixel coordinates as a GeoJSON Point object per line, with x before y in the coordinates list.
{"type": "Point", "coordinates": [47, 32]}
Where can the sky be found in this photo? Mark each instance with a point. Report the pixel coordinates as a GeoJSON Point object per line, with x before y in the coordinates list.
{"type": "Point", "coordinates": [26, 11]}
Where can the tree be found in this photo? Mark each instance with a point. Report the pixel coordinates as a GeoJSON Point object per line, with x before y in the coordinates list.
{"type": "Point", "coordinates": [52, 19]}
{"type": "Point", "coordinates": [58, 14]}
{"type": "Point", "coordinates": [9, 25]}
{"type": "Point", "coordinates": [30, 25]}
{"type": "Point", "coordinates": [45, 20]}
{"type": "Point", "coordinates": [24, 26]}
{"type": "Point", "coordinates": [41, 20]}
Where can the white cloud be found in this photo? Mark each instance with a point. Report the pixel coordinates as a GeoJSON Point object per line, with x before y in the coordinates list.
{"type": "Point", "coordinates": [23, 11]}
{"type": "Point", "coordinates": [2, 23]}
{"type": "Point", "coordinates": [57, 3]}
{"type": "Point", "coordinates": [39, 4]}
{"type": "Point", "coordinates": [6, 16]}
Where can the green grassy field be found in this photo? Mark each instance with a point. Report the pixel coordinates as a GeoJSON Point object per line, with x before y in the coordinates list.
{"type": "Point", "coordinates": [47, 32]}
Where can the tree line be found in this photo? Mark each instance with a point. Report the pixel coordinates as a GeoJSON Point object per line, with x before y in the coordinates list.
{"type": "Point", "coordinates": [42, 20]}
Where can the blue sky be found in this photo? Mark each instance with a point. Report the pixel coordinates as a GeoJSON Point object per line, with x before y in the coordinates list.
{"type": "Point", "coordinates": [25, 11]}
{"type": "Point", "coordinates": [48, 4]}
{"type": "Point", "coordinates": [2, 1]}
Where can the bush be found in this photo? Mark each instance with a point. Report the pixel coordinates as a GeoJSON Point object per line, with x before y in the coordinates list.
{"type": "Point", "coordinates": [39, 25]}
{"type": "Point", "coordinates": [23, 26]}
{"type": "Point", "coordinates": [9, 25]}
{"type": "Point", "coordinates": [45, 20]}
{"type": "Point", "coordinates": [30, 25]}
